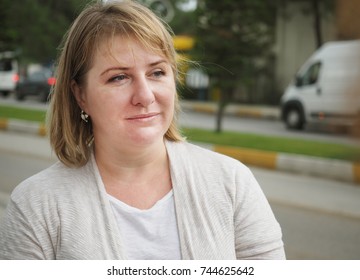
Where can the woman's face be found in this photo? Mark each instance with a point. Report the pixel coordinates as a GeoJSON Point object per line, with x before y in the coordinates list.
{"type": "Point", "coordinates": [129, 94]}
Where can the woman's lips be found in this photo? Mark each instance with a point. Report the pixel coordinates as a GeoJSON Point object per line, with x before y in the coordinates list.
{"type": "Point", "coordinates": [143, 117]}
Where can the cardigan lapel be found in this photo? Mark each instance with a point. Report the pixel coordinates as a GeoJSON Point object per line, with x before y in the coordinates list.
{"type": "Point", "coordinates": [198, 223]}
{"type": "Point", "coordinates": [112, 240]}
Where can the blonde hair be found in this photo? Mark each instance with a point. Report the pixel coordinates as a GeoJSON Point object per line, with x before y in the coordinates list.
{"type": "Point", "coordinates": [70, 137]}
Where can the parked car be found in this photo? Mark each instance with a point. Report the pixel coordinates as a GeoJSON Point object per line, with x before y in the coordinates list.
{"type": "Point", "coordinates": [38, 83]}
{"type": "Point", "coordinates": [8, 73]}
{"type": "Point", "coordinates": [326, 89]}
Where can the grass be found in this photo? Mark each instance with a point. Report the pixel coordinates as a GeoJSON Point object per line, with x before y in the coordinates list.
{"type": "Point", "coordinates": [276, 144]}
{"type": "Point", "coordinates": [227, 138]}
{"type": "Point", "coordinates": [10, 112]}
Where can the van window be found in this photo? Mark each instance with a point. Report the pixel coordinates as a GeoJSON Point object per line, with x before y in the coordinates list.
{"type": "Point", "coordinates": [311, 76]}
{"type": "Point", "coordinates": [5, 65]}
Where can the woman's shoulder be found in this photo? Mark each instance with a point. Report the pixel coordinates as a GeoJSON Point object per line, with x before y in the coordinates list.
{"type": "Point", "coordinates": [54, 181]}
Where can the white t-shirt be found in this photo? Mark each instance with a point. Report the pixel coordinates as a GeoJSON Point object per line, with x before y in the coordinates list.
{"type": "Point", "coordinates": [150, 234]}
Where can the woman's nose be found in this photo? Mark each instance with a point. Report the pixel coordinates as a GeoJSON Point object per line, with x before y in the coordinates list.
{"type": "Point", "coordinates": [142, 93]}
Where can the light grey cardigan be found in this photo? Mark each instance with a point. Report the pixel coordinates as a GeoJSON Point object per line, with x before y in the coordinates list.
{"type": "Point", "coordinates": [64, 213]}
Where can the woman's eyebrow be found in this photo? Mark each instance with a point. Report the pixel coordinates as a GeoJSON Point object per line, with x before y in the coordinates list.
{"type": "Point", "coordinates": [158, 62]}
{"type": "Point", "coordinates": [117, 68]}
{"type": "Point", "coordinates": [124, 68]}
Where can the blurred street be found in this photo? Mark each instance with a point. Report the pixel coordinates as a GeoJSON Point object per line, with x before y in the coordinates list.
{"type": "Point", "coordinates": [320, 218]}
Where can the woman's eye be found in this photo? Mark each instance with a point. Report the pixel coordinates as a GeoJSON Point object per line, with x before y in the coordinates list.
{"type": "Point", "coordinates": [118, 78]}
{"type": "Point", "coordinates": [158, 73]}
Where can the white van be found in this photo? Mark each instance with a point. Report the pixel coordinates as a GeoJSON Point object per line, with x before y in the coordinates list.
{"type": "Point", "coordinates": [326, 89]}
{"type": "Point", "coordinates": [9, 73]}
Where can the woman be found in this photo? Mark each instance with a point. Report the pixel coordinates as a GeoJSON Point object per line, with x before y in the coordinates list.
{"type": "Point", "coordinates": [127, 185]}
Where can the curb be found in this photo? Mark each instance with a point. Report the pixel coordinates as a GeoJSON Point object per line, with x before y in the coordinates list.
{"type": "Point", "coordinates": [23, 126]}
{"type": "Point", "coordinates": [314, 166]}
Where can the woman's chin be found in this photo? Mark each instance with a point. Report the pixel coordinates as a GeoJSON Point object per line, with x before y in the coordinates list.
{"type": "Point", "coordinates": [146, 138]}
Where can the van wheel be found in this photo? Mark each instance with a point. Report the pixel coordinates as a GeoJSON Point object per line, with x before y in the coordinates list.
{"type": "Point", "coordinates": [294, 118]}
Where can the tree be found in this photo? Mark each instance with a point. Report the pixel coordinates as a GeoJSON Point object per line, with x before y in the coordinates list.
{"type": "Point", "coordinates": [317, 23]}
{"type": "Point", "coordinates": [317, 9]}
{"type": "Point", "coordinates": [172, 12]}
{"type": "Point", "coordinates": [5, 33]}
{"type": "Point", "coordinates": [231, 39]}
{"type": "Point", "coordinates": [183, 16]}
{"type": "Point", "coordinates": [35, 27]}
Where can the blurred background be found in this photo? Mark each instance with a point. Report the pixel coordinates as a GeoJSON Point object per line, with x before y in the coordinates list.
{"type": "Point", "coordinates": [272, 83]}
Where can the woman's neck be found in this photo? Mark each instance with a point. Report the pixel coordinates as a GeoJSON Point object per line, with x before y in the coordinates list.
{"type": "Point", "coordinates": [138, 178]}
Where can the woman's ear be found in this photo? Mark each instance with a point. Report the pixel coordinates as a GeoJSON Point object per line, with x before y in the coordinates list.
{"type": "Point", "coordinates": [79, 95]}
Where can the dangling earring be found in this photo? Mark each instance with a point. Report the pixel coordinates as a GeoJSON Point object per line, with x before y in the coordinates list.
{"type": "Point", "coordinates": [84, 116]}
